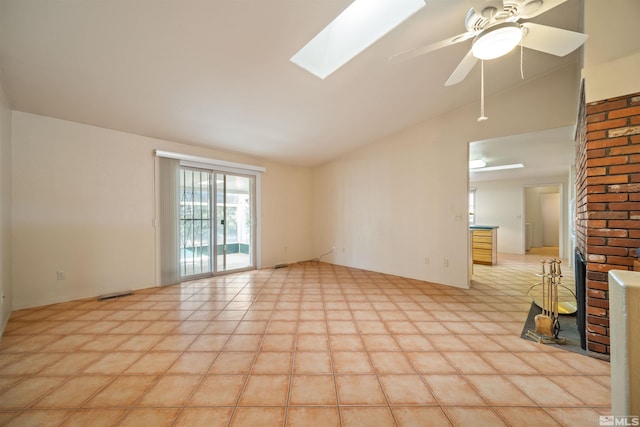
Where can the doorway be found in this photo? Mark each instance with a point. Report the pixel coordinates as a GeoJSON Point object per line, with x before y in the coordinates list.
{"type": "Point", "coordinates": [543, 225]}
{"type": "Point", "coordinates": [550, 206]}
{"type": "Point", "coordinates": [216, 222]}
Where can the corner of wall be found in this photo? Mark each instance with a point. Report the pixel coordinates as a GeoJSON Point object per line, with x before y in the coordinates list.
{"type": "Point", "coordinates": [600, 85]}
{"type": "Point", "coordinates": [6, 300]}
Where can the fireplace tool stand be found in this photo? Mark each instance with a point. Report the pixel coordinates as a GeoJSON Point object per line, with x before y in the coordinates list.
{"type": "Point", "coordinates": [548, 322]}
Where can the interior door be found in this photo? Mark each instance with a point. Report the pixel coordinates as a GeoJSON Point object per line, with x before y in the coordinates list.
{"type": "Point", "coordinates": [234, 222]}
{"type": "Point", "coordinates": [550, 204]}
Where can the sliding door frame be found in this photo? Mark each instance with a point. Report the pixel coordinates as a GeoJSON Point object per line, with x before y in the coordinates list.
{"type": "Point", "coordinates": [217, 269]}
{"type": "Point", "coordinates": [211, 166]}
{"type": "Point", "coordinates": [210, 207]}
{"type": "Point", "coordinates": [213, 172]}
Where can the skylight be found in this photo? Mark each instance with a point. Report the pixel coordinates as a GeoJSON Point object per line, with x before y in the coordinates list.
{"type": "Point", "coordinates": [356, 28]}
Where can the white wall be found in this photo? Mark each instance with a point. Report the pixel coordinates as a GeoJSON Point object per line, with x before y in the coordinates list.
{"type": "Point", "coordinates": [6, 300]}
{"type": "Point", "coordinates": [390, 205]}
{"type": "Point", "coordinates": [286, 215]}
{"type": "Point", "coordinates": [612, 51]}
{"type": "Point", "coordinates": [501, 203]}
{"type": "Point", "coordinates": [383, 208]}
{"type": "Point", "coordinates": [83, 203]}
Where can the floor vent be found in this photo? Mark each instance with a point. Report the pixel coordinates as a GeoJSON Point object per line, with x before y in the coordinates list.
{"type": "Point", "coordinates": [281, 266]}
{"type": "Point", "coordinates": [114, 295]}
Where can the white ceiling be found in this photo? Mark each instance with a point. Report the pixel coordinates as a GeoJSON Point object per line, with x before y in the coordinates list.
{"type": "Point", "coordinates": [548, 153]}
{"type": "Point", "coordinates": [217, 72]}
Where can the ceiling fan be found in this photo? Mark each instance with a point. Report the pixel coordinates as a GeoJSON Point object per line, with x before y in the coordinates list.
{"type": "Point", "coordinates": [495, 29]}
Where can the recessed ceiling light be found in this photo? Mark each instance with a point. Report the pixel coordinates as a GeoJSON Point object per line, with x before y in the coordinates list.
{"type": "Point", "coordinates": [499, 168]}
{"type": "Point", "coordinates": [355, 29]}
{"type": "Point", "coordinates": [474, 164]}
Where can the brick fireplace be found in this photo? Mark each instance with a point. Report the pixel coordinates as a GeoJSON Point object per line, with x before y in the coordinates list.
{"type": "Point", "coordinates": [607, 203]}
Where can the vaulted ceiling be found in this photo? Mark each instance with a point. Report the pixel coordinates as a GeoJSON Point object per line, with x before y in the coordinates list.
{"type": "Point", "coordinates": [217, 73]}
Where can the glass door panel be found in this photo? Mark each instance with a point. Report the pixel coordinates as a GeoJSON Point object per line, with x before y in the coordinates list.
{"type": "Point", "coordinates": [221, 235]}
{"type": "Point", "coordinates": [195, 222]}
{"type": "Point", "coordinates": [234, 222]}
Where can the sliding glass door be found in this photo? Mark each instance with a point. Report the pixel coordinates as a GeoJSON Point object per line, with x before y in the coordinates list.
{"type": "Point", "coordinates": [234, 222]}
{"type": "Point", "coordinates": [216, 207]}
{"type": "Point", "coordinates": [195, 222]}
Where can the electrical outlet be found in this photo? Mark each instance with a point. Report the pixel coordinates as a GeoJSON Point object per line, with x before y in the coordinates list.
{"type": "Point", "coordinates": [426, 260]}
{"type": "Point", "coordinates": [446, 263]}
{"type": "Point", "coordinates": [60, 275]}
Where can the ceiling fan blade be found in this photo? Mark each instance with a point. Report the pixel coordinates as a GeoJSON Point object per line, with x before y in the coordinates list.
{"type": "Point", "coordinates": [462, 70]}
{"type": "Point", "coordinates": [533, 8]}
{"type": "Point", "coordinates": [555, 41]}
{"type": "Point", "coordinates": [417, 51]}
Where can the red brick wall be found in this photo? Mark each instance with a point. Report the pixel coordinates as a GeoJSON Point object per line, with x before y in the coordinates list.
{"type": "Point", "coordinates": [607, 202]}
{"type": "Point", "coordinates": [581, 178]}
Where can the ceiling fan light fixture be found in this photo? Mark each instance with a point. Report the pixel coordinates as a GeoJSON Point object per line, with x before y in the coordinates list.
{"type": "Point", "coordinates": [497, 41]}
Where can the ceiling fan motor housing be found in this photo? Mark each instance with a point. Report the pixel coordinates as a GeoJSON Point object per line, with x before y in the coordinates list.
{"type": "Point", "coordinates": [486, 13]}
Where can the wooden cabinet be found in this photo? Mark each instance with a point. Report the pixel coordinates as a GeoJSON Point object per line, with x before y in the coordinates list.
{"type": "Point", "coordinates": [484, 245]}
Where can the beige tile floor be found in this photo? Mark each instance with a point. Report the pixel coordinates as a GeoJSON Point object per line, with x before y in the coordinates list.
{"type": "Point", "coordinates": [308, 345]}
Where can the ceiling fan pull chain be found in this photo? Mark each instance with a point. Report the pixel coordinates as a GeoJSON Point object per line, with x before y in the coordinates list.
{"type": "Point", "coordinates": [482, 116]}
{"type": "Point", "coordinates": [521, 60]}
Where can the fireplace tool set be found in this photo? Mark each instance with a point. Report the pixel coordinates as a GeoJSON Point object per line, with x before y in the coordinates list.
{"type": "Point", "coordinates": [547, 323]}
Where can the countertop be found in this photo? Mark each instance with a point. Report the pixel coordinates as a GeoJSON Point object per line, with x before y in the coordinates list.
{"type": "Point", "coordinates": [482, 227]}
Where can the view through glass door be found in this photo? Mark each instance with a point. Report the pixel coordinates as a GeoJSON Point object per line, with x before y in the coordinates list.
{"type": "Point", "coordinates": [234, 222]}
{"type": "Point", "coordinates": [226, 219]}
